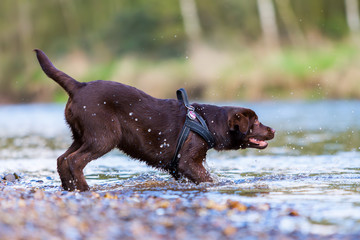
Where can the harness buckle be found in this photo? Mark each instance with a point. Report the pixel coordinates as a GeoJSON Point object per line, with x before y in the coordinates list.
{"type": "Point", "coordinates": [191, 114]}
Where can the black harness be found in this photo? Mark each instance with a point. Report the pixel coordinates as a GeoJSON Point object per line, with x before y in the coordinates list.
{"type": "Point", "coordinates": [190, 125]}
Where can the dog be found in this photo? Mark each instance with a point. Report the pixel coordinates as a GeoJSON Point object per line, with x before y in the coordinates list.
{"type": "Point", "coordinates": [104, 115]}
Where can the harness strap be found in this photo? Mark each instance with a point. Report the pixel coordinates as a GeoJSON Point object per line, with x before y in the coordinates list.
{"type": "Point", "coordinates": [202, 130]}
{"type": "Point", "coordinates": [190, 124]}
{"type": "Point", "coordinates": [182, 97]}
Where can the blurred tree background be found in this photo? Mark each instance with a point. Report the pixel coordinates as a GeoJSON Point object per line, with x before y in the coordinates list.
{"type": "Point", "coordinates": [219, 50]}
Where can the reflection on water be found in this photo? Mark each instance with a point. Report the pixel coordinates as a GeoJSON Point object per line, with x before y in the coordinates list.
{"type": "Point", "coordinates": [312, 164]}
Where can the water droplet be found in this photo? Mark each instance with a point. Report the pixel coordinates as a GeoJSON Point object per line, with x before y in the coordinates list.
{"type": "Point", "coordinates": [104, 102]}
{"type": "Point", "coordinates": [130, 114]}
{"type": "Point", "coordinates": [162, 145]}
{"type": "Point", "coordinates": [179, 155]}
{"type": "Point", "coordinates": [139, 99]}
{"type": "Point", "coordinates": [159, 133]}
{"type": "Point", "coordinates": [136, 119]}
{"type": "Point", "coordinates": [84, 107]}
{"type": "Point", "coordinates": [149, 130]}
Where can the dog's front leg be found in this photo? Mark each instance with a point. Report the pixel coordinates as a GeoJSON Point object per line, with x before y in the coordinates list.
{"type": "Point", "coordinates": [194, 171]}
{"type": "Point", "coordinates": [193, 155]}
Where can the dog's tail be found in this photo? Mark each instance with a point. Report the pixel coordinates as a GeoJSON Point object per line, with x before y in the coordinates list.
{"type": "Point", "coordinates": [65, 81]}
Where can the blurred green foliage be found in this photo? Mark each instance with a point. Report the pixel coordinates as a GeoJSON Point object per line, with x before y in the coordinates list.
{"type": "Point", "coordinates": [114, 35]}
{"type": "Point", "coordinates": [141, 28]}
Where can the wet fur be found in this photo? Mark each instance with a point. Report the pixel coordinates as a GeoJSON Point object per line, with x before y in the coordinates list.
{"type": "Point", "coordinates": [104, 115]}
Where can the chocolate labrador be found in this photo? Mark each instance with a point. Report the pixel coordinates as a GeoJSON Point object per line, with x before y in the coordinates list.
{"type": "Point", "coordinates": [104, 115]}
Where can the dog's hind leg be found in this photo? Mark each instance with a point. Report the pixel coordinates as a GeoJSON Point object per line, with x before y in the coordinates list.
{"type": "Point", "coordinates": [67, 180]}
{"type": "Point", "coordinates": [80, 158]}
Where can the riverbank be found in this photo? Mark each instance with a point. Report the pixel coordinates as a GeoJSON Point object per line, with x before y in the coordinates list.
{"type": "Point", "coordinates": [325, 71]}
{"type": "Point", "coordinates": [37, 213]}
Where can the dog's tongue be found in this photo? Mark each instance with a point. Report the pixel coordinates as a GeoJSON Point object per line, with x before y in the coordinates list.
{"type": "Point", "coordinates": [258, 142]}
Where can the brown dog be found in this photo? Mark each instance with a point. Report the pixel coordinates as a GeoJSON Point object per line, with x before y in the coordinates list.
{"type": "Point", "coordinates": [104, 115]}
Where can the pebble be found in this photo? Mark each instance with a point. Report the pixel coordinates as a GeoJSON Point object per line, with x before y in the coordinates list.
{"type": "Point", "coordinates": [12, 177]}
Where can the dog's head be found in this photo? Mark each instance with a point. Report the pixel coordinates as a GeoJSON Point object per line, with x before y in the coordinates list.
{"type": "Point", "coordinates": [246, 131]}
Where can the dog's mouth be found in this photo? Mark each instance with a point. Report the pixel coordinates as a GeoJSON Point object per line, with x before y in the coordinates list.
{"type": "Point", "coordinates": [255, 143]}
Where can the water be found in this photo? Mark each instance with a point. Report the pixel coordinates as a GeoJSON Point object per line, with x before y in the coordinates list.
{"type": "Point", "coordinates": [312, 166]}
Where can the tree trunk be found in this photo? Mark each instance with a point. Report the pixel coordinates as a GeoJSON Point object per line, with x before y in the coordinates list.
{"type": "Point", "coordinates": [352, 16]}
{"type": "Point", "coordinates": [268, 22]}
{"type": "Point", "coordinates": [191, 20]}
{"type": "Point", "coordinates": [290, 21]}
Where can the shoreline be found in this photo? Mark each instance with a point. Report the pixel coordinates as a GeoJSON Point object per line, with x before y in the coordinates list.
{"type": "Point", "coordinates": [36, 213]}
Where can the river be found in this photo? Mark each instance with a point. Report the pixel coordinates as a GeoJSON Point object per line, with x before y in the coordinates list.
{"type": "Point", "coordinates": [312, 165]}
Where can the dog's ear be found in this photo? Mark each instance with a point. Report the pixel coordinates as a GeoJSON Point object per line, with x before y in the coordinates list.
{"type": "Point", "coordinates": [239, 122]}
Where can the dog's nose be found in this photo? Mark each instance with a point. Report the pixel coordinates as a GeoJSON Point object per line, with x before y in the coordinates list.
{"type": "Point", "coordinates": [272, 130]}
